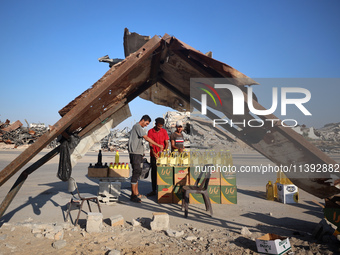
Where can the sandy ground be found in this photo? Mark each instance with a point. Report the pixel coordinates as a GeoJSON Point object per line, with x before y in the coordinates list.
{"type": "Point", "coordinates": [43, 199]}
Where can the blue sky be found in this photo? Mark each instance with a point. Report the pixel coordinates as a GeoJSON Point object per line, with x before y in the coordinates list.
{"type": "Point", "coordinates": [49, 49]}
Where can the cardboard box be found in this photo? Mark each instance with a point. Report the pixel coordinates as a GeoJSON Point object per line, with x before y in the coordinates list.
{"type": "Point", "coordinates": [125, 173]}
{"type": "Point", "coordinates": [177, 194]}
{"type": "Point", "coordinates": [165, 194]}
{"type": "Point", "coordinates": [228, 194]}
{"type": "Point", "coordinates": [181, 175]}
{"type": "Point", "coordinates": [165, 175]}
{"type": "Point", "coordinates": [228, 179]}
{"type": "Point", "coordinates": [272, 244]}
{"type": "Point", "coordinates": [287, 194]}
{"type": "Point", "coordinates": [214, 177]}
{"type": "Point", "coordinates": [214, 195]}
{"type": "Point", "coordinates": [97, 172]}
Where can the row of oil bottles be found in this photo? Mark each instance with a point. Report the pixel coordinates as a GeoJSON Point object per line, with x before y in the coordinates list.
{"type": "Point", "coordinates": [271, 189]}
{"type": "Point", "coordinates": [117, 164]}
{"type": "Point", "coordinates": [194, 157]}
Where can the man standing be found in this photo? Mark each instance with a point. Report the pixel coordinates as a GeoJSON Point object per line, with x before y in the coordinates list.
{"type": "Point", "coordinates": [160, 136]}
{"type": "Point", "coordinates": [136, 152]}
{"type": "Point", "coordinates": [176, 138]}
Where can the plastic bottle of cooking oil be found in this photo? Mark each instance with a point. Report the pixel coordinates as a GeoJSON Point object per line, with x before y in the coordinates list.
{"type": "Point", "coordinates": [117, 157]}
{"type": "Point", "coordinates": [165, 157]}
{"type": "Point", "coordinates": [283, 179]}
{"type": "Point", "coordinates": [173, 159]}
{"type": "Point", "coordinates": [269, 191]}
{"type": "Point", "coordinates": [159, 158]}
{"type": "Point", "coordinates": [184, 158]}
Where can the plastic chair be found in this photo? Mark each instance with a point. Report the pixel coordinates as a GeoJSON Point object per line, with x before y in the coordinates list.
{"type": "Point", "coordinates": [198, 188]}
{"type": "Point", "coordinates": [79, 198]}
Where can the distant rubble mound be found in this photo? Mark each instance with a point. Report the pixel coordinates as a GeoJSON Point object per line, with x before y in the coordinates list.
{"type": "Point", "coordinates": [327, 138]}
{"type": "Point", "coordinates": [330, 132]}
{"type": "Point", "coordinates": [16, 134]}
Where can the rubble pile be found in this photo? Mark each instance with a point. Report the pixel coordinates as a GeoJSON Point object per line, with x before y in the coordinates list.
{"type": "Point", "coordinates": [116, 140]}
{"type": "Point", "coordinates": [138, 237]}
{"type": "Point", "coordinates": [330, 138]}
{"type": "Point", "coordinates": [330, 132]}
{"type": "Point", "coordinates": [15, 133]}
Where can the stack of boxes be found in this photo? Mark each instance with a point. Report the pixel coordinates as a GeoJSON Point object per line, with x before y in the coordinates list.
{"type": "Point", "coordinates": [228, 188]}
{"type": "Point", "coordinates": [222, 185]}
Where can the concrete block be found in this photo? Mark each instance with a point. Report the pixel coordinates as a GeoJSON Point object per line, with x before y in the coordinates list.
{"type": "Point", "coordinates": [36, 230]}
{"type": "Point", "coordinates": [135, 223]}
{"type": "Point", "coordinates": [59, 235]}
{"type": "Point", "coordinates": [245, 232]}
{"type": "Point", "coordinates": [117, 220]}
{"type": "Point", "coordinates": [94, 222]}
{"type": "Point", "coordinates": [114, 252]}
{"type": "Point", "coordinates": [104, 187]}
{"type": "Point", "coordinates": [115, 188]}
{"type": "Point", "coordinates": [174, 233]}
{"type": "Point", "coordinates": [59, 244]}
{"type": "Point", "coordinates": [49, 235]}
{"type": "Point", "coordinates": [112, 188]}
{"type": "Point", "coordinates": [160, 221]}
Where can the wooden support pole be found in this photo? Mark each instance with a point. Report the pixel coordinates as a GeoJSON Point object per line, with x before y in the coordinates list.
{"type": "Point", "coordinates": [22, 178]}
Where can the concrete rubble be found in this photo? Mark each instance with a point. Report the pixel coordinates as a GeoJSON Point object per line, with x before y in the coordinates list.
{"type": "Point", "coordinates": [16, 134]}
{"type": "Point", "coordinates": [94, 222]}
{"type": "Point", "coordinates": [127, 239]}
{"type": "Point", "coordinates": [160, 221]}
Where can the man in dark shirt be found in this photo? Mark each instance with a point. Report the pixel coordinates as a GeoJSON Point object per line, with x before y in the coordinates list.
{"type": "Point", "coordinates": [176, 138]}
{"type": "Point", "coordinates": [136, 153]}
{"type": "Point", "coordinates": [160, 136]}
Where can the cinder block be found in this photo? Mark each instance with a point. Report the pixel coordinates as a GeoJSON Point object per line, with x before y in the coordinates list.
{"type": "Point", "coordinates": [160, 221]}
{"type": "Point", "coordinates": [117, 220]}
{"type": "Point", "coordinates": [104, 187]}
{"type": "Point", "coordinates": [94, 222]}
{"type": "Point", "coordinates": [115, 188]}
{"type": "Point", "coordinates": [112, 188]}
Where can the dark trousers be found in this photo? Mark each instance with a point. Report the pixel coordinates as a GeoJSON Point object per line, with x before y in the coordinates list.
{"type": "Point", "coordinates": [153, 173]}
{"type": "Point", "coordinates": [135, 161]}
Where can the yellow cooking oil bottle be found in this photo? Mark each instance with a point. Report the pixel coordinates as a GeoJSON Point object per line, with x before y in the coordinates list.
{"type": "Point", "coordinates": [174, 158]}
{"type": "Point", "coordinates": [184, 158]}
{"type": "Point", "coordinates": [269, 191]}
{"type": "Point", "coordinates": [159, 158]}
{"type": "Point", "coordinates": [117, 157]}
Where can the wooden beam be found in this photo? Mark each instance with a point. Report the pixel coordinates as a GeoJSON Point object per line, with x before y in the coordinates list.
{"type": "Point", "coordinates": [76, 112]}
{"type": "Point", "coordinates": [23, 176]}
{"type": "Point", "coordinates": [102, 117]}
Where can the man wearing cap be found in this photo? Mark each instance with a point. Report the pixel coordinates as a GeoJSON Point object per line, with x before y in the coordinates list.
{"type": "Point", "coordinates": [160, 136]}
{"type": "Point", "coordinates": [176, 138]}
